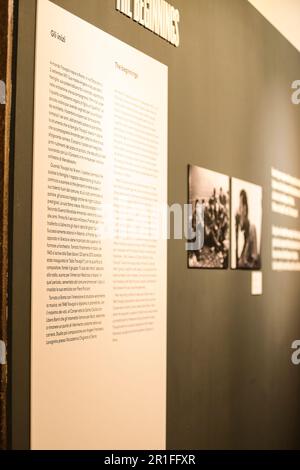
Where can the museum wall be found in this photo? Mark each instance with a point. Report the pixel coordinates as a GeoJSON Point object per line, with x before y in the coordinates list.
{"type": "Point", "coordinates": [231, 383]}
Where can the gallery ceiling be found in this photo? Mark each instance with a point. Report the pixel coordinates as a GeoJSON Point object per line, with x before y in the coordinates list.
{"type": "Point", "coordinates": [284, 15]}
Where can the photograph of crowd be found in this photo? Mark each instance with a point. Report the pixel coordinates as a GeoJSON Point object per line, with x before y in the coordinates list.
{"type": "Point", "coordinates": [209, 198]}
{"type": "Point", "coordinates": [246, 225]}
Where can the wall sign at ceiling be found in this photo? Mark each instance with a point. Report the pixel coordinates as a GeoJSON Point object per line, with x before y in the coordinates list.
{"type": "Point", "coordinates": [156, 15]}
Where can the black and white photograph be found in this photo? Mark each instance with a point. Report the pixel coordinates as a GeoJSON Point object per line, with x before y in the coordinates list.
{"type": "Point", "coordinates": [209, 198]}
{"type": "Point", "coordinates": [246, 226]}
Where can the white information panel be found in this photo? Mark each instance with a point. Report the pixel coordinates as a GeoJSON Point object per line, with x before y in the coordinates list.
{"type": "Point", "coordinates": [99, 260]}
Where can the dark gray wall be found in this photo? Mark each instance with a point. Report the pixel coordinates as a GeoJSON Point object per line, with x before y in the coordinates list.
{"type": "Point", "coordinates": [231, 383]}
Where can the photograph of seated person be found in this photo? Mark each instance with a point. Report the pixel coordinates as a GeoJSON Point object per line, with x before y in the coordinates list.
{"type": "Point", "coordinates": [246, 239]}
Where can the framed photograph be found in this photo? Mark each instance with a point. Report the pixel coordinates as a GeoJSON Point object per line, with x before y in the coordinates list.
{"type": "Point", "coordinates": [209, 199]}
{"type": "Point", "coordinates": [246, 225]}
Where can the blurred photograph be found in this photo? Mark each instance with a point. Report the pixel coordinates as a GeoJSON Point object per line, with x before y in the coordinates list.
{"type": "Point", "coordinates": [209, 197]}
{"type": "Point", "coordinates": [246, 225]}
